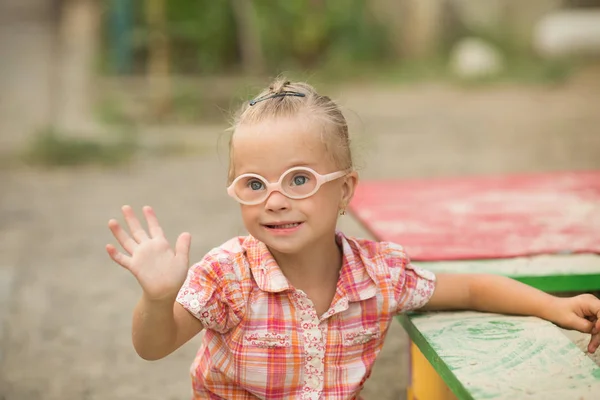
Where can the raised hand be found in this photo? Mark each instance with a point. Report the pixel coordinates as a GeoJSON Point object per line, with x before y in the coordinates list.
{"type": "Point", "coordinates": [159, 269]}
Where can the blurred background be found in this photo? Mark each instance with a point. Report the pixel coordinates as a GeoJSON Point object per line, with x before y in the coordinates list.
{"type": "Point", "coordinates": [113, 102]}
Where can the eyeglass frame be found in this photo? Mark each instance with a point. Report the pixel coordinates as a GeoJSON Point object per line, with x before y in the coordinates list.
{"type": "Point", "coordinates": [276, 186]}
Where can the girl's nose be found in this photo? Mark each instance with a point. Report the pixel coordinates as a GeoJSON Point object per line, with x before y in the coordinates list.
{"type": "Point", "coordinates": [277, 202]}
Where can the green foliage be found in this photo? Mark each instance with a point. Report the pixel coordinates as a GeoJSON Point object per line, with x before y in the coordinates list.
{"type": "Point", "coordinates": [529, 70]}
{"type": "Point", "coordinates": [203, 35]}
{"type": "Point", "coordinates": [110, 111]}
{"type": "Point", "coordinates": [52, 148]}
{"type": "Point", "coordinates": [304, 33]}
{"type": "Point", "coordinates": [334, 39]}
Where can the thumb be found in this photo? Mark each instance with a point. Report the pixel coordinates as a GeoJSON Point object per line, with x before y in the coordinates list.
{"type": "Point", "coordinates": [182, 247]}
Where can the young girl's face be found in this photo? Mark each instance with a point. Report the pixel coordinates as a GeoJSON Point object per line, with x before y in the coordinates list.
{"type": "Point", "coordinates": [269, 149]}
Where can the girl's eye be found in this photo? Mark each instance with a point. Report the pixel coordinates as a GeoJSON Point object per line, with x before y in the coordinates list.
{"type": "Point", "coordinates": [299, 180]}
{"type": "Point", "coordinates": [255, 185]}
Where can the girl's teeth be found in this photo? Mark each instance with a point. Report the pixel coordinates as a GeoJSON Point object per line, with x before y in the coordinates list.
{"type": "Point", "coordinates": [286, 226]}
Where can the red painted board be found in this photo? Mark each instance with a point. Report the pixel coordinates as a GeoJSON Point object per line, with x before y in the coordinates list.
{"type": "Point", "coordinates": [484, 217]}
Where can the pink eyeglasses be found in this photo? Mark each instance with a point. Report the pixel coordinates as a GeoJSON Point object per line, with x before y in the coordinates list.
{"type": "Point", "coordinates": [295, 183]}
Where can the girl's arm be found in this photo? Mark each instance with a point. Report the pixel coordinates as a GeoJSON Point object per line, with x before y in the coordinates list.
{"type": "Point", "coordinates": [161, 327]}
{"type": "Point", "coordinates": [502, 295]}
{"type": "Point", "coordinates": [490, 293]}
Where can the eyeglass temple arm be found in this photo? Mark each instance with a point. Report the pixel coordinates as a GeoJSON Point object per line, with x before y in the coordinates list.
{"type": "Point", "coordinates": [334, 175]}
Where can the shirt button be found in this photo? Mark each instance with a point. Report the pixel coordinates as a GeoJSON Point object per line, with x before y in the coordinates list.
{"type": "Point", "coordinates": [313, 381]}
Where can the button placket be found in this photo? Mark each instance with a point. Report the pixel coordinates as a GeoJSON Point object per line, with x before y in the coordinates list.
{"type": "Point", "coordinates": [314, 347]}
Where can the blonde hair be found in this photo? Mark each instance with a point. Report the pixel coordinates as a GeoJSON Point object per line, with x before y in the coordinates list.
{"type": "Point", "coordinates": [286, 99]}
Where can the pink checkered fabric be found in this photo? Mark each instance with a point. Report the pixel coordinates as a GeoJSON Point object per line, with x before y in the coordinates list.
{"type": "Point", "coordinates": [264, 338]}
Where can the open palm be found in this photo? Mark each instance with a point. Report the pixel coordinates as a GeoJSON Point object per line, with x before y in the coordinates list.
{"type": "Point", "coordinates": [159, 269]}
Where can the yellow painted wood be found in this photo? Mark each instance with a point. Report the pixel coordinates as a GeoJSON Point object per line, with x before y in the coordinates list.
{"type": "Point", "coordinates": [426, 383]}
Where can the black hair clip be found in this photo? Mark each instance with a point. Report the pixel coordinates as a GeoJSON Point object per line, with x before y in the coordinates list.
{"type": "Point", "coordinates": [271, 96]}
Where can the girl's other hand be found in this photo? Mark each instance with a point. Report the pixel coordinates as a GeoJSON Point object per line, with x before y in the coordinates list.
{"type": "Point", "coordinates": [159, 269]}
{"type": "Point", "coordinates": [581, 313]}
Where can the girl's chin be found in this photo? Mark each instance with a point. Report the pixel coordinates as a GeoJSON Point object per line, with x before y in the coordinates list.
{"type": "Point", "coordinates": [284, 244]}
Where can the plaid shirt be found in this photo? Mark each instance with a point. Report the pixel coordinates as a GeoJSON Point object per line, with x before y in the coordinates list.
{"type": "Point", "coordinates": [264, 338]}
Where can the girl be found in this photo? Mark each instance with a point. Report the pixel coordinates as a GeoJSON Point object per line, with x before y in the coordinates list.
{"type": "Point", "coordinates": [297, 309]}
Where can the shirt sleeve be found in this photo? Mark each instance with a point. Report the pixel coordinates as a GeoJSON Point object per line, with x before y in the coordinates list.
{"type": "Point", "coordinates": [413, 286]}
{"type": "Point", "coordinates": [212, 293]}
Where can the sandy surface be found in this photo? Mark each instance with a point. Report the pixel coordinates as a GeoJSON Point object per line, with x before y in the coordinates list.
{"type": "Point", "coordinates": [67, 308]}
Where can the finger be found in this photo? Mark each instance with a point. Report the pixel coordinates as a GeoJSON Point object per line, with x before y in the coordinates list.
{"type": "Point", "coordinates": [594, 343]}
{"type": "Point", "coordinates": [182, 247]}
{"type": "Point", "coordinates": [134, 225]}
{"type": "Point", "coordinates": [118, 257]}
{"type": "Point", "coordinates": [153, 226]}
{"type": "Point", "coordinates": [126, 241]}
{"type": "Point", "coordinates": [582, 325]}
{"type": "Point", "coordinates": [591, 306]}
{"type": "Point", "coordinates": [596, 328]}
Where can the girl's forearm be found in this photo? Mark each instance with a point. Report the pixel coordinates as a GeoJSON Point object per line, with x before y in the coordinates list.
{"type": "Point", "coordinates": [154, 330]}
{"type": "Point", "coordinates": [499, 294]}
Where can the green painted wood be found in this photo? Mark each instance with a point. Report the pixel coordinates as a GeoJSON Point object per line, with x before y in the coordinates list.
{"type": "Point", "coordinates": [490, 356]}
{"type": "Point", "coordinates": [552, 273]}
{"type": "Point", "coordinates": [430, 354]}
{"type": "Point", "coordinates": [565, 283]}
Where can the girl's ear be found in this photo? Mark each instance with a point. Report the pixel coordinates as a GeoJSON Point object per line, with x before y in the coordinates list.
{"type": "Point", "coordinates": [348, 187]}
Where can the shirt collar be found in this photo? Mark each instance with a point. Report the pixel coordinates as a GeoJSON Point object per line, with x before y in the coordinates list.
{"type": "Point", "coordinates": [266, 272]}
{"type": "Point", "coordinates": [355, 282]}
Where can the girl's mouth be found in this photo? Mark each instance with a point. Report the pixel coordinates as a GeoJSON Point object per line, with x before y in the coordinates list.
{"type": "Point", "coordinates": [284, 226]}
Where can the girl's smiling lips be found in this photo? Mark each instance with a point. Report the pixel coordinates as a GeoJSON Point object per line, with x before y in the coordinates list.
{"type": "Point", "coordinates": [283, 226]}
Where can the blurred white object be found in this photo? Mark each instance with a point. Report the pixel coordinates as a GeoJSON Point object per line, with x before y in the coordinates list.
{"type": "Point", "coordinates": [568, 32]}
{"type": "Point", "coordinates": [475, 58]}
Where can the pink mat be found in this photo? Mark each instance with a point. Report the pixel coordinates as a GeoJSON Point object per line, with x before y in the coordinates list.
{"type": "Point", "coordinates": [484, 217]}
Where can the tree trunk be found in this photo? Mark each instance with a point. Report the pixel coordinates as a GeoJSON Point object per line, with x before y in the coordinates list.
{"type": "Point", "coordinates": [390, 13]}
{"type": "Point", "coordinates": [248, 36]}
{"type": "Point", "coordinates": [158, 58]}
{"type": "Point", "coordinates": [26, 32]}
{"type": "Point", "coordinates": [421, 28]}
{"type": "Point", "coordinates": [77, 49]}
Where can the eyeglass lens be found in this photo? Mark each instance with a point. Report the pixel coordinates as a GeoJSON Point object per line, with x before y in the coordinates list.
{"type": "Point", "coordinates": [294, 184]}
